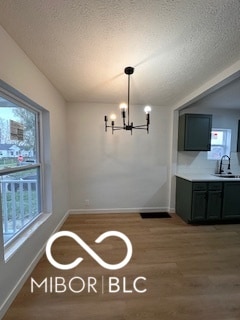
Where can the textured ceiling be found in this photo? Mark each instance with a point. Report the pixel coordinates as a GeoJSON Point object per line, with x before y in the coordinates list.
{"type": "Point", "coordinates": [83, 46]}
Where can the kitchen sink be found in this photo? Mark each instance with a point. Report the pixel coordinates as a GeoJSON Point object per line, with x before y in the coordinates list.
{"type": "Point", "coordinates": [224, 175]}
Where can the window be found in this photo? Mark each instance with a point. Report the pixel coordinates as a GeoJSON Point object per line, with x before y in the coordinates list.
{"type": "Point", "coordinates": [220, 144]}
{"type": "Point", "coordinates": [20, 167]}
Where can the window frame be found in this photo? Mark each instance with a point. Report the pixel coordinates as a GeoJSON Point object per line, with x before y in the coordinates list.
{"type": "Point", "coordinates": [226, 145]}
{"type": "Point", "coordinates": [42, 154]}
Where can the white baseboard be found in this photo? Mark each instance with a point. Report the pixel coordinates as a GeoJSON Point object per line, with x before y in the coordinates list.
{"type": "Point", "coordinates": [118, 210]}
{"type": "Point", "coordinates": [8, 301]}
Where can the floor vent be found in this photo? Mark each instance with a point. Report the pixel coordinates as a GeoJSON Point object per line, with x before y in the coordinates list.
{"type": "Point", "coordinates": [155, 215]}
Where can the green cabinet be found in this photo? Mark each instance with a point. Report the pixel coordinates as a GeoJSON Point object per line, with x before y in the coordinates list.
{"type": "Point", "coordinates": [214, 204]}
{"type": "Point", "coordinates": [199, 205]}
{"type": "Point", "coordinates": [198, 201]}
{"type": "Point", "coordinates": [207, 201]}
{"type": "Point", "coordinates": [231, 200]}
{"type": "Point", "coordinates": [194, 132]}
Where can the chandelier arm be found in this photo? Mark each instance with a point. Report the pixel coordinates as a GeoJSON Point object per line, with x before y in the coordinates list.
{"type": "Point", "coordinates": [118, 128]}
{"type": "Point", "coordinates": [140, 126]}
{"type": "Point", "coordinates": [129, 128]}
{"type": "Point", "coordinates": [115, 127]}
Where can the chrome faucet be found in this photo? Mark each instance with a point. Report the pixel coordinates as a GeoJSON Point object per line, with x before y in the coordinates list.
{"type": "Point", "coordinates": [221, 164]}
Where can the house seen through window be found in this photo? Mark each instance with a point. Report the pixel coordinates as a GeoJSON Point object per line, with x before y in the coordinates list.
{"type": "Point", "coordinates": [220, 144]}
{"type": "Point", "coordinates": [20, 196]}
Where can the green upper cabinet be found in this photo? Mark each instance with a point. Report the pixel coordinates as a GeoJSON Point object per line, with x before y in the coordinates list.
{"type": "Point", "coordinates": [194, 132]}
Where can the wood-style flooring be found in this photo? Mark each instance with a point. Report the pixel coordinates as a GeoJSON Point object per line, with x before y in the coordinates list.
{"type": "Point", "coordinates": [192, 272]}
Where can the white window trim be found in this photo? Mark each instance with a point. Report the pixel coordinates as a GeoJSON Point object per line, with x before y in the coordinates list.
{"type": "Point", "coordinates": [18, 240]}
{"type": "Point", "coordinates": [7, 250]}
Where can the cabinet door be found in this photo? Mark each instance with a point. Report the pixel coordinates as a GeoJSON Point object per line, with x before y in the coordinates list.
{"type": "Point", "coordinates": [184, 199]}
{"type": "Point", "coordinates": [199, 205]}
{"type": "Point", "coordinates": [214, 205]}
{"type": "Point", "coordinates": [231, 200]}
{"type": "Point", "coordinates": [195, 132]}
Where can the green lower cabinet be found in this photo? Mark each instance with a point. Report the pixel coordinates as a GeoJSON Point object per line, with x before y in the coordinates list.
{"type": "Point", "coordinates": [198, 202]}
{"type": "Point", "coordinates": [214, 205]}
{"type": "Point", "coordinates": [207, 204]}
{"type": "Point", "coordinates": [231, 200]}
{"type": "Point", "coordinates": [199, 205]}
{"type": "Point", "coordinates": [207, 201]}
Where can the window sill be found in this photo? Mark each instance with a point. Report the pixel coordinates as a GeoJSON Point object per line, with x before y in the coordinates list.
{"type": "Point", "coordinates": [13, 245]}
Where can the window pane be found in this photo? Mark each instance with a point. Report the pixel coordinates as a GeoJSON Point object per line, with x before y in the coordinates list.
{"type": "Point", "coordinates": [19, 187]}
{"type": "Point", "coordinates": [220, 144]}
{"type": "Point", "coordinates": [20, 201]}
{"type": "Point", "coordinates": [18, 133]}
{"type": "Point", "coordinates": [217, 138]}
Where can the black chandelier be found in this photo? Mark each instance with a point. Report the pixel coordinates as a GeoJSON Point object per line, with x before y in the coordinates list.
{"type": "Point", "coordinates": [125, 109]}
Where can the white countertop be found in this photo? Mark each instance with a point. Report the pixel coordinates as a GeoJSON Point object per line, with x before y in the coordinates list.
{"type": "Point", "coordinates": [204, 177]}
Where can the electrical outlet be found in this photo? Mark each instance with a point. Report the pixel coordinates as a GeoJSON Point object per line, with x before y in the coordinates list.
{"type": "Point", "coordinates": [87, 203]}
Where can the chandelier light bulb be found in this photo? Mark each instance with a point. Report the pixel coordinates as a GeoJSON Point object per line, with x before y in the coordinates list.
{"type": "Point", "coordinates": [113, 117]}
{"type": "Point", "coordinates": [123, 106]}
{"type": "Point", "coordinates": [147, 109]}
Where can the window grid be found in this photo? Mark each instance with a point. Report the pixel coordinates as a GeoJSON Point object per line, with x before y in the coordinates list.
{"type": "Point", "coordinates": [20, 185]}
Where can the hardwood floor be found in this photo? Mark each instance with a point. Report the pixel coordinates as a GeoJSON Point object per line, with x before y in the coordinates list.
{"type": "Point", "coordinates": [192, 272]}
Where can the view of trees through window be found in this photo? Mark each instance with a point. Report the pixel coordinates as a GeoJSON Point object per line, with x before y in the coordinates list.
{"type": "Point", "coordinates": [19, 167]}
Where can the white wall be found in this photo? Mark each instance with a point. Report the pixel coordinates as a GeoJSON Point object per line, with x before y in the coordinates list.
{"type": "Point", "coordinates": [19, 72]}
{"type": "Point", "coordinates": [118, 172]}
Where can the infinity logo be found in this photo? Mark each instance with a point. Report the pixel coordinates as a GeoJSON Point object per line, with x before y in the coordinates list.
{"type": "Point", "coordinates": [89, 250]}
